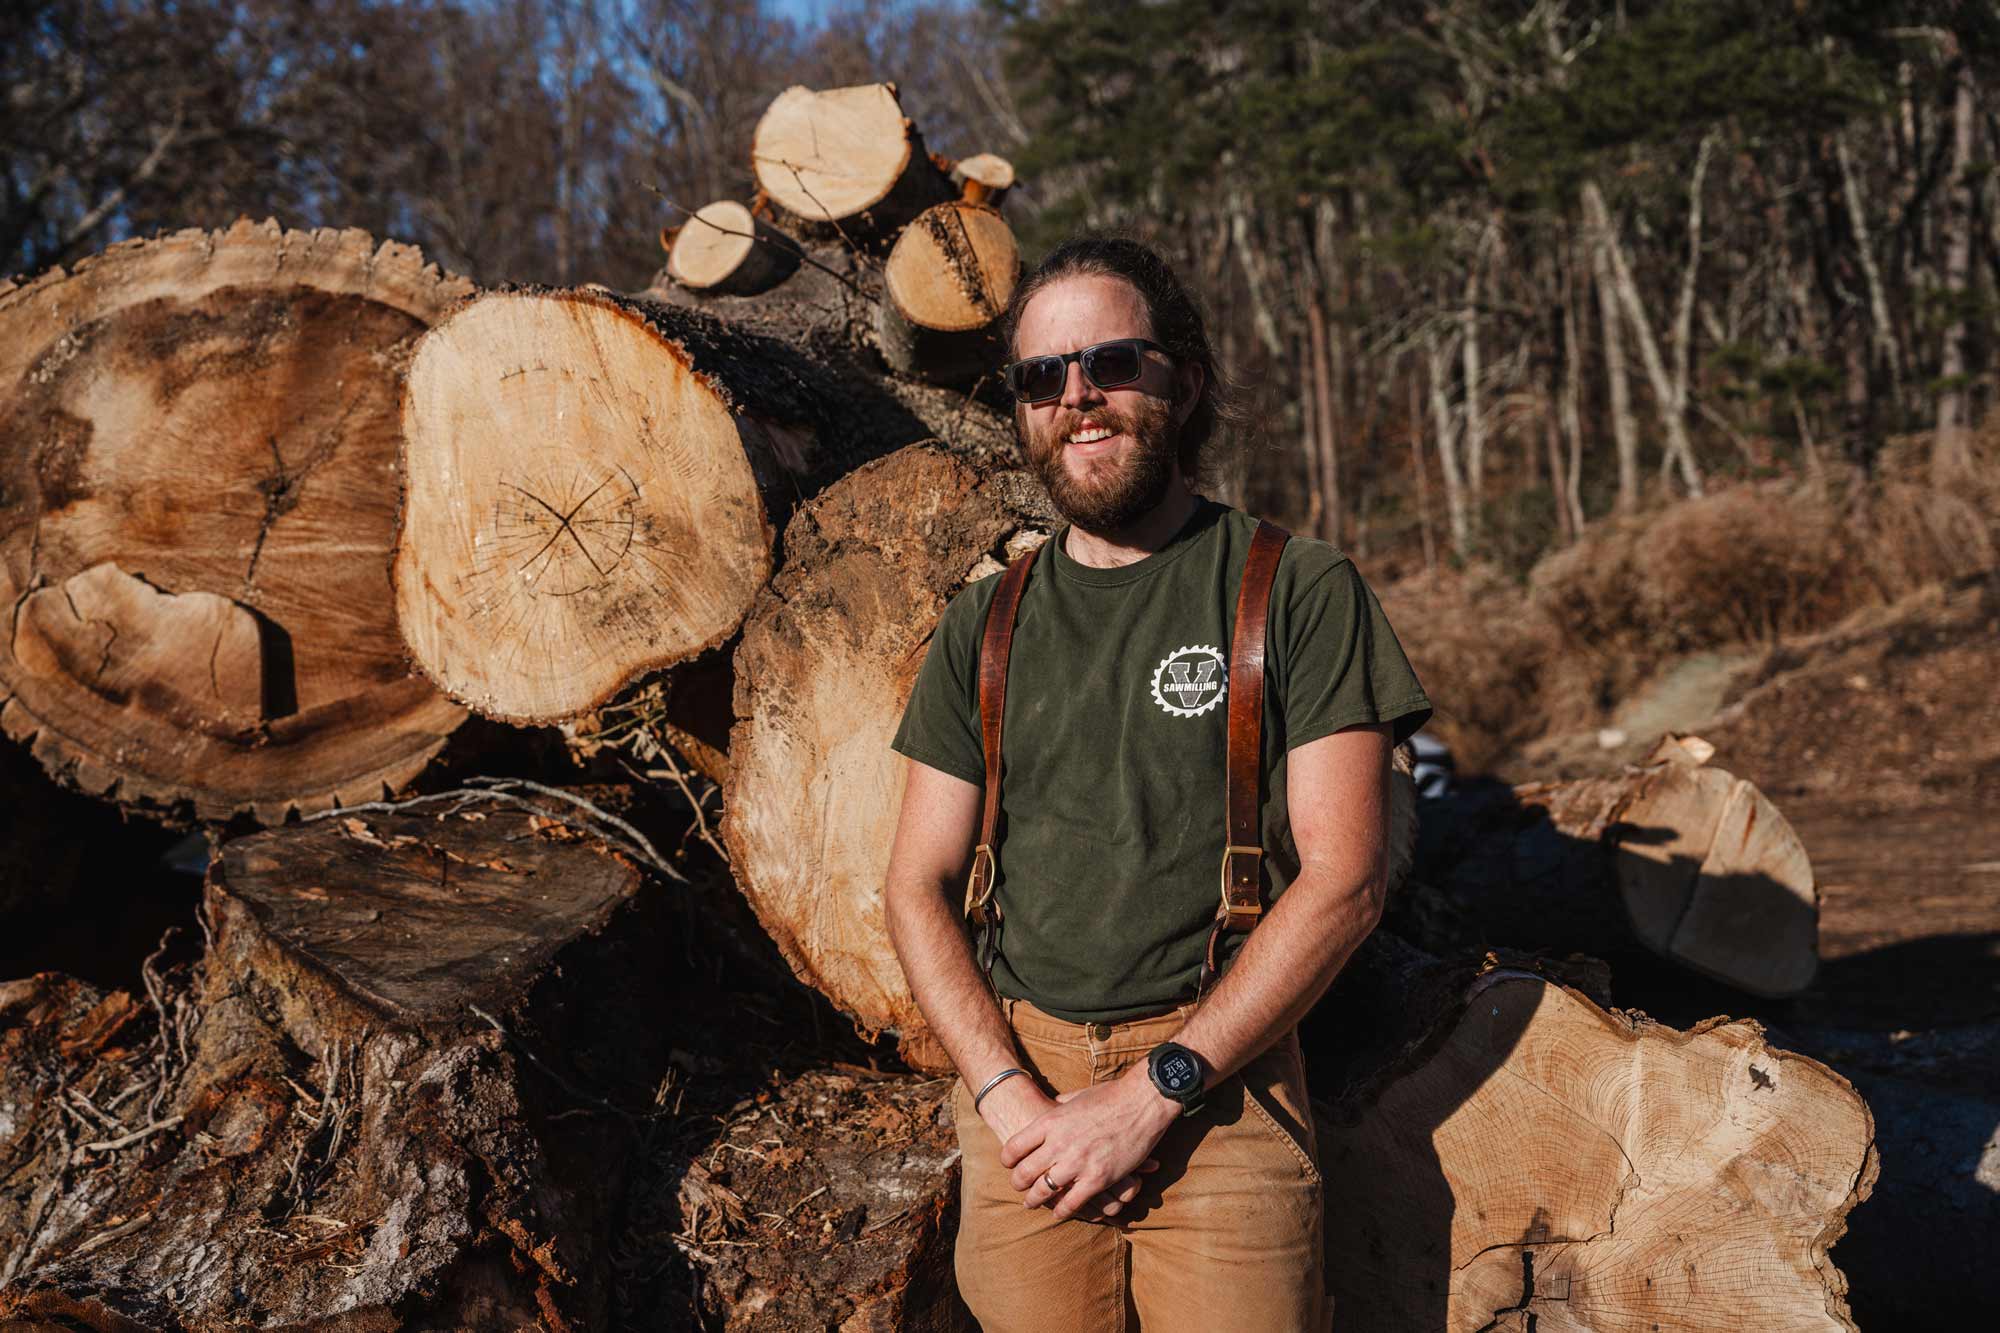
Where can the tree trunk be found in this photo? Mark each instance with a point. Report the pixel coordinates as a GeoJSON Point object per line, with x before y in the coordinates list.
{"type": "Point", "coordinates": [197, 525]}
{"type": "Point", "coordinates": [1618, 376]}
{"type": "Point", "coordinates": [947, 280]}
{"type": "Point", "coordinates": [592, 484]}
{"type": "Point", "coordinates": [1438, 356]}
{"type": "Point", "coordinates": [1672, 418]}
{"type": "Point", "coordinates": [723, 249]}
{"type": "Point", "coordinates": [1951, 451]}
{"type": "Point", "coordinates": [366, 1109]}
{"type": "Point", "coordinates": [1326, 447]}
{"type": "Point", "coordinates": [846, 161]}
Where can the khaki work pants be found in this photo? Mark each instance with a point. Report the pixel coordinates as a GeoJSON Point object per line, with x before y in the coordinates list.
{"type": "Point", "coordinates": [1225, 1235]}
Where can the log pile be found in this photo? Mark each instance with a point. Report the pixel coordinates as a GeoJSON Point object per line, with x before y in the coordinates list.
{"type": "Point", "coordinates": [481, 1055]}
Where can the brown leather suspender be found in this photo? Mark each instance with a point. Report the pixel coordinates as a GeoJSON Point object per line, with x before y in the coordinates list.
{"type": "Point", "coordinates": [1243, 852]}
{"type": "Point", "coordinates": [994, 649]}
{"type": "Point", "coordinates": [1243, 848]}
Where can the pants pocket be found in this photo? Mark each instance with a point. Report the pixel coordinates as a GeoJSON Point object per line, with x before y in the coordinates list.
{"type": "Point", "coordinates": [1274, 1089]}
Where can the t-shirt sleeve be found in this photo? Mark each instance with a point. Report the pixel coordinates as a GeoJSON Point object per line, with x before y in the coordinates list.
{"type": "Point", "coordinates": [941, 722]}
{"type": "Point", "coordinates": [1343, 665]}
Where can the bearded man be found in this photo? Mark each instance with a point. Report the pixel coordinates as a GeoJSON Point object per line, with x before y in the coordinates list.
{"type": "Point", "coordinates": [1137, 1140]}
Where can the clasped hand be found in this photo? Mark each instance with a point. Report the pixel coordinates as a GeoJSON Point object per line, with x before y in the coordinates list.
{"type": "Point", "coordinates": [1094, 1143]}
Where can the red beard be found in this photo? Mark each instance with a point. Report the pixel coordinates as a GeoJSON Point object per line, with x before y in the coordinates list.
{"type": "Point", "coordinates": [1113, 492]}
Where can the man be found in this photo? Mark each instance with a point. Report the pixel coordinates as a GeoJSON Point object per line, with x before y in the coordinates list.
{"type": "Point", "coordinates": [1104, 1188]}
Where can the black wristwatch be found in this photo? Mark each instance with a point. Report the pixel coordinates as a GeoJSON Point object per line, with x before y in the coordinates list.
{"type": "Point", "coordinates": [1179, 1074]}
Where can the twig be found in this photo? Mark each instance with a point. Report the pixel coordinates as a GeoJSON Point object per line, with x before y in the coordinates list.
{"type": "Point", "coordinates": [678, 775]}
{"type": "Point", "coordinates": [831, 220]}
{"type": "Point", "coordinates": [652, 854]}
{"type": "Point", "coordinates": [111, 1234]}
{"type": "Point", "coordinates": [126, 1141]}
{"type": "Point", "coordinates": [796, 248]}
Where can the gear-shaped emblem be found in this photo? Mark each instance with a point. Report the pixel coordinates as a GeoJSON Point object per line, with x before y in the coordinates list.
{"type": "Point", "coordinates": [1191, 680]}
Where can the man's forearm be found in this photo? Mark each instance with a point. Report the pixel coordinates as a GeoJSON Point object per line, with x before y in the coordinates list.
{"type": "Point", "coordinates": [954, 997]}
{"type": "Point", "coordinates": [1285, 966]}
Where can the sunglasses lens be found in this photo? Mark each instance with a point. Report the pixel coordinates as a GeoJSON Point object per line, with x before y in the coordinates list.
{"type": "Point", "coordinates": [1111, 364]}
{"type": "Point", "coordinates": [1036, 378]}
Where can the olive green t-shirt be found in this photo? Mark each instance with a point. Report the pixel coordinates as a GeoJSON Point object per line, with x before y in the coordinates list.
{"type": "Point", "coordinates": [1113, 748]}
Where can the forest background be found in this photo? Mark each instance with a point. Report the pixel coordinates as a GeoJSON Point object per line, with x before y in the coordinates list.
{"type": "Point", "coordinates": [1597, 333]}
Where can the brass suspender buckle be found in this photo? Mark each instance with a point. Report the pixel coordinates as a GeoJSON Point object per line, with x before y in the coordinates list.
{"type": "Point", "coordinates": [1237, 914]}
{"type": "Point", "coordinates": [979, 884]}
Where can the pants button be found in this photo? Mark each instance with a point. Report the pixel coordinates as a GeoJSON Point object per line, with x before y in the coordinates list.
{"type": "Point", "coordinates": [1100, 1031]}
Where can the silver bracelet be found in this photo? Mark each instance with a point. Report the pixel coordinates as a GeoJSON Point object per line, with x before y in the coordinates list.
{"type": "Point", "coordinates": [991, 1084]}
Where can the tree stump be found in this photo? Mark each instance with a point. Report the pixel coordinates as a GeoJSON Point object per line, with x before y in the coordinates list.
{"type": "Point", "coordinates": [198, 511]}
{"type": "Point", "coordinates": [845, 161]}
{"type": "Point", "coordinates": [332, 1126]}
{"type": "Point", "coordinates": [725, 249]}
{"type": "Point", "coordinates": [947, 281]}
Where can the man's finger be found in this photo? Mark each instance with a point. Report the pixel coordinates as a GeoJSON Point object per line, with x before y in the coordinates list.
{"type": "Point", "coordinates": [1030, 1168]}
{"type": "Point", "coordinates": [1080, 1192]}
{"type": "Point", "coordinates": [1039, 1195]}
{"type": "Point", "coordinates": [1026, 1141]}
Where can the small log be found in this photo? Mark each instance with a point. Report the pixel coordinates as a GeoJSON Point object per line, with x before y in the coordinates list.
{"type": "Point", "coordinates": [1621, 1174]}
{"type": "Point", "coordinates": [375, 1106]}
{"type": "Point", "coordinates": [983, 178]}
{"type": "Point", "coordinates": [198, 431]}
{"type": "Point", "coordinates": [947, 281]}
{"type": "Point", "coordinates": [845, 160]}
{"type": "Point", "coordinates": [725, 249]}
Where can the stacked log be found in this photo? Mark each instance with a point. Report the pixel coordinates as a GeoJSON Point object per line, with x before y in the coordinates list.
{"type": "Point", "coordinates": [198, 509]}
{"type": "Point", "coordinates": [428, 1041]}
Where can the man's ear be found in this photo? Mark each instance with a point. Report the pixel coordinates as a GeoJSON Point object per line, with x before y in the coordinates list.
{"type": "Point", "coordinates": [1189, 377]}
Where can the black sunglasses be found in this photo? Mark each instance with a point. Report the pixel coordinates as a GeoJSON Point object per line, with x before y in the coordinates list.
{"type": "Point", "coordinates": [1037, 379]}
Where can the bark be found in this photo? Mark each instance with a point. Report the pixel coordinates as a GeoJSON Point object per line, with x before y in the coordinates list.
{"type": "Point", "coordinates": [1881, 324]}
{"type": "Point", "coordinates": [328, 1127]}
{"type": "Point", "coordinates": [846, 161]}
{"type": "Point", "coordinates": [1326, 449]}
{"type": "Point", "coordinates": [946, 282]}
{"type": "Point", "coordinates": [724, 249]}
{"type": "Point", "coordinates": [196, 526]}
{"type": "Point", "coordinates": [593, 484]}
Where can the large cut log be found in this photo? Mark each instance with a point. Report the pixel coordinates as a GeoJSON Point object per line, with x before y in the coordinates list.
{"type": "Point", "coordinates": [1689, 860]}
{"type": "Point", "coordinates": [592, 484]}
{"type": "Point", "coordinates": [823, 673]}
{"type": "Point", "coordinates": [386, 1103]}
{"type": "Point", "coordinates": [948, 279]}
{"type": "Point", "coordinates": [725, 249]}
{"type": "Point", "coordinates": [1534, 1161]}
{"type": "Point", "coordinates": [197, 453]}
{"type": "Point", "coordinates": [825, 667]}
{"type": "Point", "coordinates": [845, 161]}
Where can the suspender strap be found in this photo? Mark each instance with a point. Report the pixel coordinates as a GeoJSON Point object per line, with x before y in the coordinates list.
{"type": "Point", "coordinates": [1243, 851]}
{"type": "Point", "coordinates": [994, 648]}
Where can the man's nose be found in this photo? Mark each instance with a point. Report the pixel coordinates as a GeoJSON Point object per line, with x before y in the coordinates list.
{"type": "Point", "coordinates": [1078, 391]}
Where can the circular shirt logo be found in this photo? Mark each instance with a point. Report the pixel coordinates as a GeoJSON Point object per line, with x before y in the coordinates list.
{"type": "Point", "coordinates": [1190, 681]}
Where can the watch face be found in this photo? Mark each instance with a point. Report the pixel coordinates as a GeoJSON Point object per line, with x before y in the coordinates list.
{"type": "Point", "coordinates": [1178, 1072]}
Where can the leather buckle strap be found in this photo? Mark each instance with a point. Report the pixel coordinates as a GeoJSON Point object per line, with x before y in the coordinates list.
{"type": "Point", "coordinates": [1243, 850]}
{"type": "Point", "coordinates": [995, 646]}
